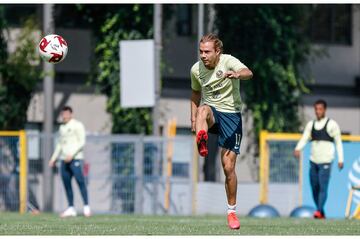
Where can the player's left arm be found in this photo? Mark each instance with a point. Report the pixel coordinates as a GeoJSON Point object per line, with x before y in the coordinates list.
{"type": "Point", "coordinates": [243, 74]}
{"type": "Point", "coordinates": [335, 132]}
{"type": "Point", "coordinates": [237, 70]}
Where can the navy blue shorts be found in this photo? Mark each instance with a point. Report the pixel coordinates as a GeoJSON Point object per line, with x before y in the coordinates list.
{"type": "Point", "coordinates": [228, 126]}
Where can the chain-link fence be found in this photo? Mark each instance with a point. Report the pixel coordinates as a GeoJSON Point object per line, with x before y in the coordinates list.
{"type": "Point", "coordinates": [124, 173]}
{"type": "Point", "coordinates": [284, 168]}
{"type": "Point", "coordinates": [280, 171]}
{"type": "Point", "coordinates": [9, 173]}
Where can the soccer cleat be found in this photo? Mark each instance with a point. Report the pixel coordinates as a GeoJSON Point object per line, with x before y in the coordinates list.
{"type": "Point", "coordinates": [319, 215]}
{"type": "Point", "coordinates": [201, 140]}
{"type": "Point", "coordinates": [233, 221]}
{"type": "Point", "coordinates": [70, 212]}
{"type": "Point", "coordinates": [87, 211]}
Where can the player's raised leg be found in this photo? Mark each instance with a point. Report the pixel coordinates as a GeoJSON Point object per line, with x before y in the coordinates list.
{"type": "Point", "coordinates": [204, 121]}
{"type": "Point", "coordinates": [228, 160]}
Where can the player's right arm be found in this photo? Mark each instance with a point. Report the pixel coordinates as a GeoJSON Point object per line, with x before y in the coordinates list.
{"type": "Point", "coordinates": [195, 93]}
{"type": "Point", "coordinates": [195, 101]}
{"type": "Point", "coordinates": [304, 138]}
{"type": "Point", "coordinates": [55, 154]}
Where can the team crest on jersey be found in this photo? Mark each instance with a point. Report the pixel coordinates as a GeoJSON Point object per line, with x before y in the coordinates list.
{"type": "Point", "coordinates": [219, 74]}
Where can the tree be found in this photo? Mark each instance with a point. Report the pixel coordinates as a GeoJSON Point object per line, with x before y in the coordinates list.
{"type": "Point", "coordinates": [136, 120]}
{"type": "Point", "coordinates": [19, 75]}
{"type": "Point", "coordinates": [272, 41]}
{"type": "Point", "coordinates": [110, 24]}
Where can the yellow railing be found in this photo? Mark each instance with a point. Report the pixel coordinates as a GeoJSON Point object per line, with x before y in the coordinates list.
{"type": "Point", "coordinates": [171, 133]}
{"type": "Point", "coordinates": [23, 171]}
{"type": "Point", "coordinates": [23, 167]}
{"type": "Point", "coordinates": [195, 176]}
{"type": "Point", "coordinates": [265, 137]}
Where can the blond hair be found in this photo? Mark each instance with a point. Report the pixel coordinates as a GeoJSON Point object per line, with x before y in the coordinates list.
{"type": "Point", "coordinates": [211, 37]}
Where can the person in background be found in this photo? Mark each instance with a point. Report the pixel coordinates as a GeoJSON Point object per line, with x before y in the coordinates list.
{"type": "Point", "coordinates": [322, 132]}
{"type": "Point", "coordinates": [69, 150]}
{"type": "Point", "coordinates": [7, 170]}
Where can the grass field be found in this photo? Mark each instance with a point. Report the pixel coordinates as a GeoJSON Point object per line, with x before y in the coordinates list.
{"type": "Point", "coordinates": [51, 224]}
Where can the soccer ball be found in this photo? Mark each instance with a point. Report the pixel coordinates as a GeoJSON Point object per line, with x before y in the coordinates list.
{"type": "Point", "coordinates": [53, 48]}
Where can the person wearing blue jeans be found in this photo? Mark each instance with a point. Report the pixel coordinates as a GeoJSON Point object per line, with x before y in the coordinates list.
{"type": "Point", "coordinates": [323, 133]}
{"type": "Point", "coordinates": [319, 180]}
{"type": "Point", "coordinates": [70, 170]}
{"type": "Point", "coordinates": [69, 150]}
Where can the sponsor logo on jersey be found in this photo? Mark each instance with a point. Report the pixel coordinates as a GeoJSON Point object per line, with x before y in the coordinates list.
{"type": "Point", "coordinates": [219, 73]}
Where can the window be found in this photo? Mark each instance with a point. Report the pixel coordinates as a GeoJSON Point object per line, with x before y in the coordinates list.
{"type": "Point", "coordinates": [331, 24]}
{"type": "Point", "coordinates": [181, 170]}
{"type": "Point", "coordinates": [183, 20]}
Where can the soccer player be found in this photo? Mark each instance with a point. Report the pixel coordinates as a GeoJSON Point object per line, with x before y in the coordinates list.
{"type": "Point", "coordinates": [216, 107]}
{"type": "Point", "coordinates": [70, 150]}
{"type": "Point", "coordinates": [323, 132]}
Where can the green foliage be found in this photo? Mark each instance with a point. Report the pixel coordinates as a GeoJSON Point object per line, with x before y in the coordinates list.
{"type": "Point", "coordinates": [3, 45]}
{"type": "Point", "coordinates": [271, 40]}
{"type": "Point", "coordinates": [18, 75]}
{"type": "Point", "coordinates": [124, 22]}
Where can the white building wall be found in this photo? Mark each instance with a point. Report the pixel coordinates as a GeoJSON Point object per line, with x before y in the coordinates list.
{"type": "Point", "coordinates": [338, 68]}
{"type": "Point", "coordinates": [343, 62]}
{"type": "Point", "coordinates": [175, 108]}
{"type": "Point", "coordinates": [88, 108]}
{"type": "Point", "coordinates": [348, 118]}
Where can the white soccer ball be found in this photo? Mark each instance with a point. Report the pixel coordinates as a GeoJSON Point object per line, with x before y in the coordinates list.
{"type": "Point", "coordinates": [53, 48]}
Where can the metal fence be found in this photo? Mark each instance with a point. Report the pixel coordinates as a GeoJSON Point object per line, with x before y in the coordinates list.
{"type": "Point", "coordinates": [280, 172]}
{"type": "Point", "coordinates": [125, 174]}
{"type": "Point", "coordinates": [284, 168]}
{"type": "Point", "coordinates": [9, 173]}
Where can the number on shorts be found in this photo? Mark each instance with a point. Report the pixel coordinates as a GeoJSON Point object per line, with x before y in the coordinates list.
{"type": "Point", "coordinates": [237, 141]}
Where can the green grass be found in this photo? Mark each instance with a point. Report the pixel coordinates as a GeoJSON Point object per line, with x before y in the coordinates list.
{"type": "Point", "coordinates": [51, 224]}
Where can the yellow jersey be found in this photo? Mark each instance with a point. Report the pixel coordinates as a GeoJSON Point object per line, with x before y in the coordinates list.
{"type": "Point", "coordinates": [216, 90]}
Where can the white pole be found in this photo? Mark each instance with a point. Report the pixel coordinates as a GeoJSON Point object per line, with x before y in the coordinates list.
{"type": "Point", "coordinates": [158, 47]}
{"type": "Point", "coordinates": [200, 21]}
{"type": "Point", "coordinates": [48, 85]}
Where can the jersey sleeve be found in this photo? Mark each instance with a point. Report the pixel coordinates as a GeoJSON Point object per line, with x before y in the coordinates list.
{"type": "Point", "coordinates": [195, 81]}
{"type": "Point", "coordinates": [56, 152]}
{"type": "Point", "coordinates": [335, 132]}
{"type": "Point", "coordinates": [234, 64]}
{"type": "Point", "coordinates": [333, 129]}
{"type": "Point", "coordinates": [305, 136]}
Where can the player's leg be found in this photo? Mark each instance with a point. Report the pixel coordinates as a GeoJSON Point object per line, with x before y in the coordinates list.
{"type": "Point", "coordinates": [230, 134]}
{"type": "Point", "coordinates": [6, 192]}
{"type": "Point", "coordinates": [228, 160]}
{"type": "Point", "coordinates": [66, 176]}
{"type": "Point", "coordinates": [204, 120]}
{"type": "Point", "coordinates": [315, 186]}
{"type": "Point", "coordinates": [33, 204]}
{"type": "Point", "coordinates": [77, 170]}
{"type": "Point", "coordinates": [324, 176]}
